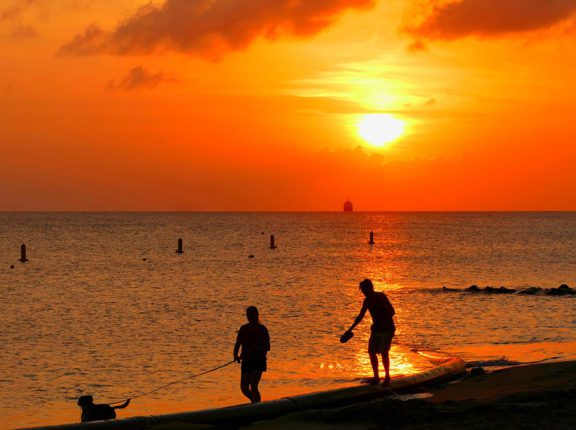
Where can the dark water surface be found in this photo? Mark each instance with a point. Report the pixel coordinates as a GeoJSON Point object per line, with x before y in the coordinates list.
{"type": "Point", "coordinates": [87, 314]}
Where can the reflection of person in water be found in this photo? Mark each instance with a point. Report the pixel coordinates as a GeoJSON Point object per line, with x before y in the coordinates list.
{"type": "Point", "coordinates": [382, 330]}
{"type": "Point", "coordinates": [92, 412]}
{"type": "Point", "coordinates": [255, 342]}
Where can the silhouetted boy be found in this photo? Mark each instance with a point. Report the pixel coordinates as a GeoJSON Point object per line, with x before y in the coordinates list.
{"type": "Point", "coordinates": [255, 342]}
{"type": "Point", "coordinates": [382, 330]}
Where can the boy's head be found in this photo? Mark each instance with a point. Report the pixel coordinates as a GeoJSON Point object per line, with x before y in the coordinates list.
{"type": "Point", "coordinates": [366, 287]}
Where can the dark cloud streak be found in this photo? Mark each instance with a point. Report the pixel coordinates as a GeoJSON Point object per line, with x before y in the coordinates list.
{"type": "Point", "coordinates": [493, 18]}
{"type": "Point", "coordinates": [210, 28]}
{"type": "Point", "coordinates": [139, 78]}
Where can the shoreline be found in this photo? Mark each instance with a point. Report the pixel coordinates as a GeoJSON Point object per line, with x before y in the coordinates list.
{"type": "Point", "coordinates": [533, 396]}
{"type": "Point", "coordinates": [538, 395]}
{"type": "Point", "coordinates": [446, 368]}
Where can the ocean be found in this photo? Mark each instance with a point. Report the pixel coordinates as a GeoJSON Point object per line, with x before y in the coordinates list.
{"type": "Point", "coordinates": [105, 306]}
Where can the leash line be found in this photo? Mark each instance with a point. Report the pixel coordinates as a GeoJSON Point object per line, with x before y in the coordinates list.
{"type": "Point", "coordinates": [173, 382]}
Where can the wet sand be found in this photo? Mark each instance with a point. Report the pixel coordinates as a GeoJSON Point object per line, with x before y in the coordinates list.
{"type": "Point", "coordinates": [540, 396]}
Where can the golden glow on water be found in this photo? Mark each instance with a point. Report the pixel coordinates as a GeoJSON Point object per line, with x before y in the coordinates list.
{"type": "Point", "coordinates": [402, 362]}
{"type": "Point", "coordinates": [347, 371]}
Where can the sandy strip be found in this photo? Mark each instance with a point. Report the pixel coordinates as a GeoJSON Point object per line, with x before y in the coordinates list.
{"type": "Point", "coordinates": [541, 396]}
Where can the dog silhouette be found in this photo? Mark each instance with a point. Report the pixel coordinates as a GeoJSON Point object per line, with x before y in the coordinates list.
{"type": "Point", "coordinates": [93, 412]}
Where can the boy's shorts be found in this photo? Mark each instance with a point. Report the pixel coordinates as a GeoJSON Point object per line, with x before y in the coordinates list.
{"type": "Point", "coordinates": [380, 342]}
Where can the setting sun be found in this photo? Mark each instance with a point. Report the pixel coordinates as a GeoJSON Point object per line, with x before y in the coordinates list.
{"type": "Point", "coordinates": [380, 129]}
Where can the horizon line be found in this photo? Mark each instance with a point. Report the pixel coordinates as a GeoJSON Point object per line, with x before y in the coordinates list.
{"type": "Point", "coordinates": [292, 211]}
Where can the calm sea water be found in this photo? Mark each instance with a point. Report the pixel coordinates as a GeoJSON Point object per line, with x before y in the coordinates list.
{"type": "Point", "coordinates": [87, 313]}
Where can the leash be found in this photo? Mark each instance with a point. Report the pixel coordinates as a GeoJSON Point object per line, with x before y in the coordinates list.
{"type": "Point", "coordinates": [174, 382]}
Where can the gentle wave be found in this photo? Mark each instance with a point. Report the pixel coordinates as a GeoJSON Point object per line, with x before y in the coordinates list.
{"type": "Point", "coordinates": [503, 361]}
{"type": "Point", "coordinates": [562, 291]}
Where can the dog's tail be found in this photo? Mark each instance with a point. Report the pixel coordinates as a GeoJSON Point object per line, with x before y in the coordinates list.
{"type": "Point", "coordinates": [123, 405]}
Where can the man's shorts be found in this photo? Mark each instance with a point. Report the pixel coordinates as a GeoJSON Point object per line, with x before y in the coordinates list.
{"type": "Point", "coordinates": [380, 342]}
{"type": "Point", "coordinates": [254, 362]}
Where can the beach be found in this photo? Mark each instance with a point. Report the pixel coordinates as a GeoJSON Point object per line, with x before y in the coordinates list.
{"type": "Point", "coordinates": [539, 396]}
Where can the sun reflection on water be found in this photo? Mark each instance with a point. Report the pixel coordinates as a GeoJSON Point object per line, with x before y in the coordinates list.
{"type": "Point", "coordinates": [402, 362]}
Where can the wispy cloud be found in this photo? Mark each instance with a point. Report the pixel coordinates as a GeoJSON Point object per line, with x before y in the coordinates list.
{"type": "Point", "coordinates": [417, 46]}
{"type": "Point", "coordinates": [9, 14]}
{"type": "Point", "coordinates": [14, 15]}
{"type": "Point", "coordinates": [491, 18]}
{"type": "Point", "coordinates": [13, 11]}
{"type": "Point", "coordinates": [210, 28]}
{"type": "Point", "coordinates": [139, 78]}
{"type": "Point", "coordinates": [25, 32]}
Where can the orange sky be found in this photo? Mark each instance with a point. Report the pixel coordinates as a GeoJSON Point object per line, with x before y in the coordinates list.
{"type": "Point", "coordinates": [254, 104]}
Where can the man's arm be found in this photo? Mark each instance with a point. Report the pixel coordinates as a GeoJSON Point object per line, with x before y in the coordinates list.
{"type": "Point", "coordinates": [267, 339]}
{"type": "Point", "coordinates": [237, 348]}
{"type": "Point", "coordinates": [359, 317]}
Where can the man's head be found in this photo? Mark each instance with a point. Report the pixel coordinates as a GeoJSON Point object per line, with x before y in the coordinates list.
{"type": "Point", "coordinates": [366, 287]}
{"type": "Point", "coordinates": [252, 313]}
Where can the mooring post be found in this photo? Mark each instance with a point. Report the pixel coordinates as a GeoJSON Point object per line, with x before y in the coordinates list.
{"type": "Point", "coordinates": [272, 243]}
{"type": "Point", "coordinates": [23, 258]}
{"type": "Point", "coordinates": [371, 238]}
{"type": "Point", "coordinates": [179, 250]}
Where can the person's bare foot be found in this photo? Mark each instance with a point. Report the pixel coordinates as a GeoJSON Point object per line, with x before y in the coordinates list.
{"type": "Point", "coordinates": [386, 381]}
{"type": "Point", "coordinates": [371, 381]}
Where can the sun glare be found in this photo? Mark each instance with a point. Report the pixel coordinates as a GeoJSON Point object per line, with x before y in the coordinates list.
{"type": "Point", "coordinates": [379, 129]}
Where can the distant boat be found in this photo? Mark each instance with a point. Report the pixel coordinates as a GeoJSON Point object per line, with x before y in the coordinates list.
{"type": "Point", "coordinates": [348, 206]}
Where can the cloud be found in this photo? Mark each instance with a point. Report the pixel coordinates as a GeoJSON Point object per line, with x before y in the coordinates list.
{"type": "Point", "coordinates": [417, 46]}
{"type": "Point", "coordinates": [14, 16]}
{"type": "Point", "coordinates": [9, 14]}
{"type": "Point", "coordinates": [25, 32]}
{"type": "Point", "coordinates": [139, 78]}
{"type": "Point", "coordinates": [91, 42]}
{"type": "Point", "coordinates": [492, 18]}
{"type": "Point", "coordinates": [210, 28]}
{"type": "Point", "coordinates": [14, 11]}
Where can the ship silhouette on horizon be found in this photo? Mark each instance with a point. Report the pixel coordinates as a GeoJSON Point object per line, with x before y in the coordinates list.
{"type": "Point", "coordinates": [348, 206]}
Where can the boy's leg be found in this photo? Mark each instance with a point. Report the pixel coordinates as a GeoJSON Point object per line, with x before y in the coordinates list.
{"type": "Point", "coordinates": [245, 385]}
{"type": "Point", "coordinates": [386, 356]}
{"type": "Point", "coordinates": [255, 377]}
{"type": "Point", "coordinates": [374, 363]}
{"type": "Point", "coordinates": [386, 362]}
{"type": "Point", "coordinates": [372, 353]}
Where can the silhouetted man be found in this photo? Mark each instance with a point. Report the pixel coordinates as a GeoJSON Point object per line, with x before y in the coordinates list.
{"type": "Point", "coordinates": [382, 330]}
{"type": "Point", "coordinates": [255, 342]}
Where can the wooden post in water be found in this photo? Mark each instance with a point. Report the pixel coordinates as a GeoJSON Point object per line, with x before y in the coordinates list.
{"type": "Point", "coordinates": [272, 243]}
{"type": "Point", "coordinates": [23, 258]}
{"type": "Point", "coordinates": [371, 238]}
{"type": "Point", "coordinates": [179, 250]}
